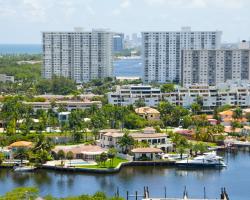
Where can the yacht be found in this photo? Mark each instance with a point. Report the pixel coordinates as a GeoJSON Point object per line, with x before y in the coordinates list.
{"type": "Point", "coordinates": [24, 168]}
{"type": "Point", "coordinates": [173, 157]}
{"type": "Point", "coordinates": [209, 159]}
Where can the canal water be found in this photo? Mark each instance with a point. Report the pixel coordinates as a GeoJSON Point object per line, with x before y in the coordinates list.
{"type": "Point", "coordinates": [236, 178]}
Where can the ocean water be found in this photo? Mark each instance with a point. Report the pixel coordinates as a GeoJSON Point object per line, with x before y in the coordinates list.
{"type": "Point", "coordinates": [124, 67]}
{"type": "Point", "coordinates": [20, 49]}
{"type": "Point", "coordinates": [128, 67]}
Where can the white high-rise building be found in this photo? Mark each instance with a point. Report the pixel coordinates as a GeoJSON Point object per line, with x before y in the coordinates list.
{"type": "Point", "coordinates": [79, 55]}
{"type": "Point", "coordinates": [161, 51]}
{"type": "Point", "coordinates": [213, 67]}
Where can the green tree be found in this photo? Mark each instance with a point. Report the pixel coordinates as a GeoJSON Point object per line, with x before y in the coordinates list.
{"type": "Point", "coordinates": [25, 193]}
{"type": "Point", "coordinates": [237, 113]}
{"type": "Point", "coordinates": [21, 153]}
{"type": "Point", "coordinates": [133, 121]}
{"type": "Point", "coordinates": [111, 155]}
{"type": "Point", "coordinates": [195, 107]}
{"type": "Point", "coordinates": [103, 158]}
{"type": "Point", "coordinates": [126, 142]}
{"type": "Point", "coordinates": [166, 88]}
{"type": "Point", "coordinates": [61, 154]}
{"type": "Point", "coordinates": [139, 103]}
{"type": "Point", "coordinates": [1, 158]}
{"type": "Point", "coordinates": [70, 156]}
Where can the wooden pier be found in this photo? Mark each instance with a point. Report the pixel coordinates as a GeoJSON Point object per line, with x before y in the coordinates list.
{"type": "Point", "coordinates": [146, 196]}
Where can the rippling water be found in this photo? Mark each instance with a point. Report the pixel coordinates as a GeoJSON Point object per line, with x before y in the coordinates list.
{"type": "Point", "coordinates": [236, 178]}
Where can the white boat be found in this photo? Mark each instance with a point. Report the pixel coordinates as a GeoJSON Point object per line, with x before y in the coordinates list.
{"type": "Point", "coordinates": [209, 159]}
{"type": "Point", "coordinates": [174, 157]}
{"type": "Point", "coordinates": [24, 168]}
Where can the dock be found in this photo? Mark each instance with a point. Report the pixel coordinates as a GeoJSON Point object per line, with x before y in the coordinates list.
{"type": "Point", "coordinates": [145, 196]}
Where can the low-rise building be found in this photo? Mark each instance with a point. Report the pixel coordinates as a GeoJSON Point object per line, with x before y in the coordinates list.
{"type": "Point", "coordinates": [81, 151]}
{"type": "Point", "coordinates": [130, 94]}
{"type": "Point", "coordinates": [6, 78]}
{"type": "Point", "coordinates": [146, 153]}
{"type": "Point", "coordinates": [68, 105]}
{"type": "Point", "coordinates": [110, 138]}
{"type": "Point", "coordinates": [148, 113]}
{"type": "Point", "coordinates": [234, 93]}
{"type": "Point", "coordinates": [16, 146]}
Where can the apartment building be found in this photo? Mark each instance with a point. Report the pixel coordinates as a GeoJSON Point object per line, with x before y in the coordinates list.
{"type": "Point", "coordinates": [79, 55]}
{"type": "Point", "coordinates": [118, 42]}
{"type": "Point", "coordinates": [6, 78]}
{"type": "Point", "coordinates": [161, 51]}
{"type": "Point", "coordinates": [235, 93]}
{"type": "Point", "coordinates": [212, 67]}
{"type": "Point", "coordinates": [68, 105]}
{"type": "Point", "coordinates": [130, 94]}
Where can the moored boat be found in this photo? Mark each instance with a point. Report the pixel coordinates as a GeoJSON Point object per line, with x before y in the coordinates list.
{"type": "Point", "coordinates": [209, 159]}
{"type": "Point", "coordinates": [24, 168]}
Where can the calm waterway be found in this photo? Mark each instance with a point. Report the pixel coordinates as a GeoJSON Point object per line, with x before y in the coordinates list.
{"type": "Point", "coordinates": [236, 178]}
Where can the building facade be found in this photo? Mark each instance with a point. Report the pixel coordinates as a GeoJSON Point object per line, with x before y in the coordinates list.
{"type": "Point", "coordinates": [6, 78]}
{"type": "Point", "coordinates": [81, 56]}
{"type": "Point", "coordinates": [161, 51]}
{"type": "Point", "coordinates": [230, 93]}
{"type": "Point", "coordinates": [118, 42]}
{"type": "Point", "coordinates": [130, 94]}
{"type": "Point", "coordinates": [212, 67]}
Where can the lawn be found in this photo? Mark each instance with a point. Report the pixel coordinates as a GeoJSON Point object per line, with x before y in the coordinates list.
{"type": "Point", "coordinates": [108, 164]}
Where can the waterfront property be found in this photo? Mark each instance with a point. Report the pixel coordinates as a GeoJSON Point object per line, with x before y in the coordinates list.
{"type": "Point", "coordinates": [82, 151]}
{"type": "Point", "coordinates": [146, 153]}
{"type": "Point", "coordinates": [110, 138]}
{"type": "Point", "coordinates": [148, 113]}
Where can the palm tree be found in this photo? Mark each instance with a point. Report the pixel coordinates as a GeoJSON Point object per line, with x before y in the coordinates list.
{"type": "Point", "coordinates": [103, 158]}
{"type": "Point", "coordinates": [1, 158]}
{"type": "Point", "coordinates": [70, 156]}
{"type": "Point", "coordinates": [238, 113]}
{"type": "Point", "coordinates": [126, 142]}
{"type": "Point", "coordinates": [61, 154]}
{"type": "Point", "coordinates": [181, 150]}
{"type": "Point", "coordinates": [111, 155]}
{"type": "Point", "coordinates": [21, 153]}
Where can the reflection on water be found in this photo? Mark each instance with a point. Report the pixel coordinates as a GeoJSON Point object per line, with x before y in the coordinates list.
{"type": "Point", "coordinates": [236, 178]}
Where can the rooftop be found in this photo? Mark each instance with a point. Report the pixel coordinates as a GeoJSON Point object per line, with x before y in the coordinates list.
{"type": "Point", "coordinates": [80, 148]}
{"type": "Point", "coordinates": [21, 144]}
{"type": "Point", "coordinates": [147, 150]}
{"type": "Point", "coordinates": [146, 110]}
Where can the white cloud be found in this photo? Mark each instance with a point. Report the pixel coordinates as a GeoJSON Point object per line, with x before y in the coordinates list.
{"type": "Point", "coordinates": [232, 4]}
{"type": "Point", "coordinates": [125, 3]}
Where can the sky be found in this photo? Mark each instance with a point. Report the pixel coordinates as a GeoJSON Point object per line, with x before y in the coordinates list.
{"type": "Point", "coordinates": [22, 21]}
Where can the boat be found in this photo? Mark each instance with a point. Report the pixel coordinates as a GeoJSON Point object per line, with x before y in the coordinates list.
{"type": "Point", "coordinates": [209, 159]}
{"type": "Point", "coordinates": [24, 168]}
{"type": "Point", "coordinates": [173, 157]}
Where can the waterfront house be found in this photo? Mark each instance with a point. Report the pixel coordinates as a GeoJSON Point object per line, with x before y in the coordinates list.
{"type": "Point", "coordinates": [14, 147]}
{"type": "Point", "coordinates": [148, 113]}
{"type": "Point", "coordinates": [110, 138]}
{"type": "Point", "coordinates": [20, 144]}
{"type": "Point", "coordinates": [146, 153]}
{"type": "Point", "coordinates": [82, 151]}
